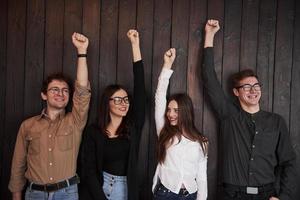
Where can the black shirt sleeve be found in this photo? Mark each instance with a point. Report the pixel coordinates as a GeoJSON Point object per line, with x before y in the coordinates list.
{"type": "Point", "coordinates": [220, 102]}
{"type": "Point", "coordinates": [139, 97]}
{"type": "Point", "coordinates": [286, 160]}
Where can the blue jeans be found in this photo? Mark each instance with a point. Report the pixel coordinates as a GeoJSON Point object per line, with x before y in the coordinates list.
{"type": "Point", "coordinates": [115, 187]}
{"type": "Point", "coordinates": [68, 193]}
{"type": "Point", "coordinates": [163, 193]}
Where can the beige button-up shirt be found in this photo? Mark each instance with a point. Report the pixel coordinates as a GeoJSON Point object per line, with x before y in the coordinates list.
{"type": "Point", "coordinates": [46, 151]}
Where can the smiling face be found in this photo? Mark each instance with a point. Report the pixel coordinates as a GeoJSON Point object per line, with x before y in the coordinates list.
{"type": "Point", "coordinates": [57, 95]}
{"type": "Point", "coordinates": [118, 105]}
{"type": "Point", "coordinates": [248, 98]}
{"type": "Point", "coordinates": [172, 113]}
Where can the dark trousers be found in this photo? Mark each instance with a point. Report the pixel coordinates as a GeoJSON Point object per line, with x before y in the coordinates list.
{"type": "Point", "coordinates": [234, 193]}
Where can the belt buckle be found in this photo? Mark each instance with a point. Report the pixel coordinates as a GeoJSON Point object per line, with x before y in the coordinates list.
{"type": "Point", "coordinates": [185, 192]}
{"type": "Point", "coordinates": [252, 190]}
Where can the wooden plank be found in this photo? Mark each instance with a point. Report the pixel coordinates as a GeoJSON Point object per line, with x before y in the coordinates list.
{"type": "Point", "coordinates": [34, 59]}
{"type": "Point", "coordinates": [210, 124]}
{"type": "Point", "coordinates": [197, 22]}
{"type": "Point", "coordinates": [249, 34]}
{"type": "Point", "coordinates": [108, 43]}
{"type": "Point", "coordinates": [283, 58]}
{"type": "Point", "coordinates": [232, 37]}
{"type": "Point", "coordinates": [295, 93]}
{"type": "Point", "coordinates": [91, 28]}
{"type": "Point", "coordinates": [145, 27]}
{"type": "Point", "coordinates": [127, 20]}
{"type": "Point", "coordinates": [265, 52]}
{"type": "Point", "coordinates": [161, 43]}
{"type": "Point", "coordinates": [72, 23]}
{"type": "Point", "coordinates": [3, 80]}
{"type": "Point", "coordinates": [16, 31]}
{"type": "Point", "coordinates": [179, 39]}
{"type": "Point", "coordinates": [54, 36]}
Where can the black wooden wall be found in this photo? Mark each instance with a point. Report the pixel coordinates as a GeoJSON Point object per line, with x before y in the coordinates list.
{"type": "Point", "coordinates": [35, 41]}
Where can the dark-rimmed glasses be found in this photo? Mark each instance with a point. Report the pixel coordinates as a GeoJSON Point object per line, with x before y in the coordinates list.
{"type": "Point", "coordinates": [248, 87]}
{"type": "Point", "coordinates": [56, 91]}
{"type": "Point", "coordinates": [119, 100]}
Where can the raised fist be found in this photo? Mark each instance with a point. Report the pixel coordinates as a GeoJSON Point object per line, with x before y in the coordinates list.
{"type": "Point", "coordinates": [80, 42]}
{"type": "Point", "coordinates": [133, 36]}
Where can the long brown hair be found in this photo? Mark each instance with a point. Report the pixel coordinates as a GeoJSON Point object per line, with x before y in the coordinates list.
{"type": "Point", "coordinates": [185, 122]}
{"type": "Point", "coordinates": [104, 117]}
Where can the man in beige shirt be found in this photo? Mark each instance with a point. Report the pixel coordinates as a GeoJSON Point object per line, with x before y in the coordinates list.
{"type": "Point", "coordinates": [47, 144]}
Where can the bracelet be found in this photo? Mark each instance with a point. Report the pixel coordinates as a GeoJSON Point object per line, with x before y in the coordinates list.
{"type": "Point", "coordinates": [81, 55]}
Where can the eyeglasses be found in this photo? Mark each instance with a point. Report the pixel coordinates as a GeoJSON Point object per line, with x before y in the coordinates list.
{"type": "Point", "coordinates": [56, 91]}
{"type": "Point", "coordinates": [248, 87]}
{"type": "Point", "coordinates": [119, 100]}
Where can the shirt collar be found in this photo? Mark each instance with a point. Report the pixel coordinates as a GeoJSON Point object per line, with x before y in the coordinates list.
{"type": "Point", "coordinates": [44, 114]}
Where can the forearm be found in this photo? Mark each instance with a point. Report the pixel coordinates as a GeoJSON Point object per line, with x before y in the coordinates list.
{"type": "Point", "coordinates": [82, 70]}
{"type": "Point", "coordinates": [209, 40]}
{"type": "Point", "coordinates": [136, 52]}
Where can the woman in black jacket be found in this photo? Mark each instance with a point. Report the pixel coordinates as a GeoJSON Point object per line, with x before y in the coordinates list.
{"type": "Point", "coordinates": [110, 149]}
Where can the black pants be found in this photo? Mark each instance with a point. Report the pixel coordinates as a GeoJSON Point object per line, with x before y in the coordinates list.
{"type": "Point", "coordinates": [231, 194]}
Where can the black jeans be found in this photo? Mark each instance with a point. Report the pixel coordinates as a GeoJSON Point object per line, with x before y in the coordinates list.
{"type": "Point", "coordinates": [232, 194]}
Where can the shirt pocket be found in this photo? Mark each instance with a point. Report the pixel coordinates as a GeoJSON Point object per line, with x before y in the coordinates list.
{"type": "Point", "coordinates": [33, 140]}
{"type": "Point", "coordinates": [65, 139]}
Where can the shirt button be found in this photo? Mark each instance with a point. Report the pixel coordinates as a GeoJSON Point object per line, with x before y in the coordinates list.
{"type": "Point", "coordinates": [253, 146]}
{"type": "Point", "coordinates": [50, 164]}
{"type": "Point", "coordinates": [251, 158]}
{"type": "Point", "coordinates": [50, 149]}
{"type": "Point", "coordinates": [250, 173]}
{"type": "Point", "coordinates": [256, 132]}
{"type": "Point", "coordinates": [51, 178]}
{"type": "Point", "coordinates": [50, 136]}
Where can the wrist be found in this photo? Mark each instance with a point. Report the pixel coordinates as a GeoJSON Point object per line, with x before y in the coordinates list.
{"type": "Point", "coordinates": [167, 65]}
{"type": "Point", "coordinates": [81, 51]}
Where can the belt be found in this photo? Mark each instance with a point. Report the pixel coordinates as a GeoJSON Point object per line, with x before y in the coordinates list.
{"type": "Point", "coordinates": [55, 186]}
{"type": "Point", "coordinates": [182, 191]}
{"type": "Point", "coordinates": [250, 189]}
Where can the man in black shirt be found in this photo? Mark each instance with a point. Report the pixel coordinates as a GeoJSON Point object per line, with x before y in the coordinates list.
{"type": "Point", "coordinates": [255, 142]}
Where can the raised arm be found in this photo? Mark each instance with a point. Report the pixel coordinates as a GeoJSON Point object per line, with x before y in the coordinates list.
{"type": "Point", "coordinates": [134, 38]}
{"type": "Point", "coordinates": [139, 93]}
{"type": "Point", "coordinates": [81, 43]}
{"type": "Point", "coordinates": [219, 101]}
{"type": "Point", "coordinates": [82, 93]}
{"type": "Point", "coordinates": [162, 87]}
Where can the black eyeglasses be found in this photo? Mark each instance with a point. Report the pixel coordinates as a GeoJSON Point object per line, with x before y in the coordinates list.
{"type": "Point", "coordinates": [56, 91]}
{"type": "Point", "coordinates": [119, 100]}
{"type": "Point", "coordinates": [248, 87]}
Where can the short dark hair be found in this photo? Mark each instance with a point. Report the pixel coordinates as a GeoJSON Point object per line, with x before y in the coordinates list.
{"type": "Point", "coordinates": [237, 77]}
{"type": "Point", "coordinates": [59, 77]}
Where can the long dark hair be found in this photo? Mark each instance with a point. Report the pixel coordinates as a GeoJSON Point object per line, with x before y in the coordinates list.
{"type": "Point", "coordinates": [104, 117]}
{"type": "Point", "coordinates": [185, 122]}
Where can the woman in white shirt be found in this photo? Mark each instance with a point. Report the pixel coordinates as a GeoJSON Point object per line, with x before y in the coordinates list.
{"type": "Point", "coordinates": [182, 149]}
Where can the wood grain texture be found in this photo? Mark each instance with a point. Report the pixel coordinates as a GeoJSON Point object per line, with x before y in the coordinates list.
{"type": "Point", "coordinates": [35, 41]}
